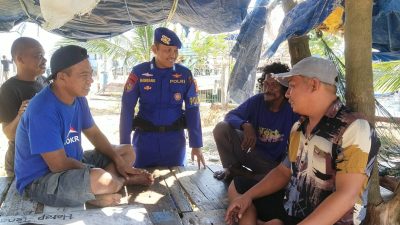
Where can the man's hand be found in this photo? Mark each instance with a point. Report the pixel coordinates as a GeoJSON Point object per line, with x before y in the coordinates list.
{"type": "Point", "coordinates": [199, 155]}
{"type": "Point", "coordinates": [237, 208]}
{"type": "Point", "coordinates": [125, 170]}
{"type": "Point", "coordinates": [122, 167]}
{"type": "Point", "coordinates": [23, 107]}
{"type": "Point", "coordinates": [249, 137]}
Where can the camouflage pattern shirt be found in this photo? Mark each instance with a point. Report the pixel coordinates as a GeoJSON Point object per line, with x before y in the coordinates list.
{"type": "Point", "coordinates": [342, 142]}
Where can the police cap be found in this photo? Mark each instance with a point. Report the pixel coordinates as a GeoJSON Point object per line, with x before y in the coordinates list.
{"type": "Point", "coordinates": [166, 37]}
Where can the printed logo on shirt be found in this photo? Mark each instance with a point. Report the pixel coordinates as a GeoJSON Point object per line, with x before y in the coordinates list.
{"type": "Point", "coordinates": [177, 75]}
{"type": "Point", "coordinates": [72, 136]}
{"type": "Point", "coordinates": [147, 80]}
{"type": "Point", "coordinates": [147, 74]}
{"type": "Point", "coordinates": [268, 135]}
{"type": "Point", "coordinates": [194, 101]}
{"type": "Point", "coordinates": [177, 96]}
{"type": "Point", "coordinates": [147, 88]}
{"type": "Point", "coordinates": [182, 81]}
{"type": "Point", "coordinates": [130, 83]}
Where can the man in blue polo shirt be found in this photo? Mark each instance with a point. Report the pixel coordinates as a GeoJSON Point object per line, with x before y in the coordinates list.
{"type": "Point", "coordinates": [161, 87]}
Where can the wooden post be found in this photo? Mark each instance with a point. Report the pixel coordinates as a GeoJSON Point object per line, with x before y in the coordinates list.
{"type": "Point", "coordinates": [358, 43]}
{"type": "Point", "coordinates": [360, 97]}
{"type": "Point", "coordinates": [298, 46]}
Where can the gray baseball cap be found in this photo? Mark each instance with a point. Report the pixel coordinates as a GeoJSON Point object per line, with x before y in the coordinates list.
{"type": "Point", "coordinates": [313, 67]}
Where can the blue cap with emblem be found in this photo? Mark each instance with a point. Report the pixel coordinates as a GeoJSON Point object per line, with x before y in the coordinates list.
{"type": "Point", "coordinates": [166, 37]}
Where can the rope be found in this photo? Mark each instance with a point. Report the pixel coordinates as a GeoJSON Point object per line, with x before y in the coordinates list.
{"type": "Point", "coordinates": [129, 14]}
{"type": "Point", "coordinates": [172, 11]}
{"type": "Point", "coordinates": [23, 6]}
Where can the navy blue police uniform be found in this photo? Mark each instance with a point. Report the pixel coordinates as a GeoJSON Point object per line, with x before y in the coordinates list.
{"type": "Point", "coordinates": [159, 138]}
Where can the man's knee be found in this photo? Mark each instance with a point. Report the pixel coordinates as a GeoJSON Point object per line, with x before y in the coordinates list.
{"type": "Point", "coordinates": [232, 192]}
{"type": "Point", "coordinates": [103, 182]}
{"type": "Point", "coordinates": [221, 129]}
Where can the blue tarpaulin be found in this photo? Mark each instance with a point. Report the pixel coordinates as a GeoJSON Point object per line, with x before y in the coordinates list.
{"type": "Point", "coordinates": [247, 51]}
{"type": "Point", "coordinates": [111, 17]}
{"type": "Point", "coordinates": [310, 13]}
{"type": "Point", "coordinates": [386, 25]}
{"type": "Point", "coordinates": [301, 19]}
{"type": "Point", "coordinates": [385, 56]}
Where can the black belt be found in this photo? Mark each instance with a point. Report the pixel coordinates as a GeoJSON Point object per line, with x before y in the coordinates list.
{"type": "Point", "coordinates": [144, 125]}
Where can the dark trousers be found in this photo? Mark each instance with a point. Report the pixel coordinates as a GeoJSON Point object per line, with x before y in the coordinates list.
{"type": "Point", "coordinates": [228, 141]}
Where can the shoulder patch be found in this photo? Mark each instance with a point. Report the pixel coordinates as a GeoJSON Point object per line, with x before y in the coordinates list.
{"type": "Point", "coordinates": [130, 83]}
{"type": "Point", "coordinates": [195, 85]}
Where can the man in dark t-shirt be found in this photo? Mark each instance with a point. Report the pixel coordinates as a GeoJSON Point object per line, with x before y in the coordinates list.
{"type": "Point", "coordinates": [15, 93]}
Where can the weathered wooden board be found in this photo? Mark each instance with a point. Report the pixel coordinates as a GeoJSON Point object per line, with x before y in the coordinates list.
{"type": "Point", "coordinates": [15, 204]}
{"type": "Point", "coordinates": [214, 192]}
{"type": "Point", "coordinates": [196, 196]}
{"type": "Point", "coordinates": [165, 217]}
{"type": "Point", "coordinates": [5, 183]}
{"type": "Point", "coordinates": [156, 199]}
{"type": "Point", "coordinates": [210, 217]}
{"type": "Point", "coordinates": [214, 167]}
{"type": "Point", "coordinates": [178, 194]}
{"type": "Point", "coordinates": [129, 215]}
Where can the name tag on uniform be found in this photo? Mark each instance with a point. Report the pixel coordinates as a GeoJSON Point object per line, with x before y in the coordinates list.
{"type": "Point", "coordinates": [177, 81]}
{"type": "Point", "coordinates": [147, 80]}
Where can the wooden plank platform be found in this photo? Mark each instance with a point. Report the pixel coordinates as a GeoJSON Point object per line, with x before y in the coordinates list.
{"type": "Point", "coordinates": [180, 195]}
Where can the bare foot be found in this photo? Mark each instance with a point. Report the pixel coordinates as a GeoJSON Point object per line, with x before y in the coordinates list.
{"type": "Point", "coordinates": [144, 178]}
{"type": "Point", "coordinates": [106, 200]}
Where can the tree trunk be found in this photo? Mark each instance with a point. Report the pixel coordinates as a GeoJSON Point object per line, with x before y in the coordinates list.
{"type": "Point", "coordinates": [298, 46]}
{"type": "Point", "coordinates": [360, 97]}
{"type": "Point", "coordinates": [358, 42]}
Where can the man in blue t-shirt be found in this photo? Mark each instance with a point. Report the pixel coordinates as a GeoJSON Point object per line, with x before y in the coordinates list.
{"type": "Point", "coordinates": [255, 134]}
{"type": "Point", "coordinates": [50, 165]}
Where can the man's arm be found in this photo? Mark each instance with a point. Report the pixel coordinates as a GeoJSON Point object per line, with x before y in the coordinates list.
{"type": "Point", "coordinates": [274, 181]}
{"type": "Point", "coordinates": [193, 121]}
{"type": "Point", "coordinates": [10, 128]}
{"type": "Point", "coordinates": [348, 186]}
{"type": "Point", "coordinates": [128, 102]}
{"type": "Point", "coordinates": [100, 142]}
{"type": "Point", "coordinates": [57, 161]}
{"type": "Point", "coordinates": [240, 115]}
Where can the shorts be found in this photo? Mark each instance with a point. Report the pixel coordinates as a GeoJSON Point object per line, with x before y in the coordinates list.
{"type": "Point", "coordinates": [67, 188]}
{"type": "Point", "coordinates": [268, 207]}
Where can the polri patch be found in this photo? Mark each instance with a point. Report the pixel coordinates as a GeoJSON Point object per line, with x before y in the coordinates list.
{"type": "Point", "coordinates": [177, 96]}
{"type": "Point", "coordinates": [131, 81]}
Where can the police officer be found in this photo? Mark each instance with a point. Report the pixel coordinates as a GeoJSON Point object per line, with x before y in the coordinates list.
{"type": "Point", "coordinates": [161, 87]}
